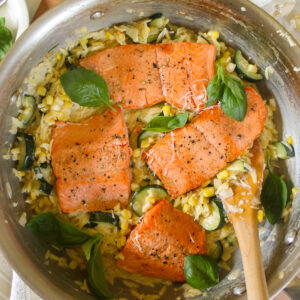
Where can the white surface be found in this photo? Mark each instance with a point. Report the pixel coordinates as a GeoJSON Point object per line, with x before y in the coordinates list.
{"type": "Point", "coordinates": [17, 19]}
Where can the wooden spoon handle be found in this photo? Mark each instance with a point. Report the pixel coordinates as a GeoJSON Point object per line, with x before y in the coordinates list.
{"type": "Point", "coordinates": [252, 260]}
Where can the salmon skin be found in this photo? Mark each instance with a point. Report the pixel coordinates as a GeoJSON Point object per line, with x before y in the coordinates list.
{"type": "Point", "coordinates": [90, 160]}
{"type": "Point", "coordinates": [187, 157]}
{"type": "Point", "coordinates": [141, 75]}
{"type": "Point", "coordinates": [157, 246]}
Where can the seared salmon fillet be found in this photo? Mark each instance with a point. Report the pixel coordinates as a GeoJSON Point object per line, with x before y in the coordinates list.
{"type": "Point", "coordinates": [157, 246]}
{"type": "Point", "coordinates": [90, 160]}
{"type": "Point", "coordinates": [187, 157]}
{"type": "Point", "coordinates": [141, 75]}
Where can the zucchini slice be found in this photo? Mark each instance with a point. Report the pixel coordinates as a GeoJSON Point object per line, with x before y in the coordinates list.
{"type": "Point", "coordinates": [217, 218]}
{"type": "Point", "coordinates": [153, 34]}
{"type": "Point", "coordinates": [284, 150]}
{"type": "Point", "coordinates": [158, 22]}
{"type": "Point", "coordinates": [215, 250]}
{"type": "Point", "coordinates": [45, 187]}
{"type": "Point", "coordinates": [139, 198]}
{"type": "Point", "coordinates": [243, 68]}
{"type": "Point", "coordinates": [238, 165]}
{"type": "Point", "coordinates": [27, 115]}
{"type": "Point", "coordinates": [104, 217]}
{"type": "Point", "coordinates": [146, 134]}
{"type": "Point", "coordinates": [27, 149]}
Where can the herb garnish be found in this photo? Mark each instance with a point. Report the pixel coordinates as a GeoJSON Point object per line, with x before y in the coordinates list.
{"type": "Point", "coordinates": [56, 232]}
{"type": "Point", "coordinates": [273, 196]}
{"type": "Point", "coordinates": [201, 271]}
{"type": "Point", "coordinates": [230, 92]}
{"type": "Point", "coordinates": [166, 124]}
{"type": "Point", "coordinates": [6, 38]}
{"type": "Point", "coordinates": [86, 88]}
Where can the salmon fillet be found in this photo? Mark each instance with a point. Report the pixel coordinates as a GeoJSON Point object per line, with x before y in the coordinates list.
{"type": "Point", "coordinates": [90, 160]}
{"type": "Point", "coordinates": [157, 246]}
{"type": "Point", "coordinates": [141, 75]}
{"type": "Point", "coordinates": [187, 157]}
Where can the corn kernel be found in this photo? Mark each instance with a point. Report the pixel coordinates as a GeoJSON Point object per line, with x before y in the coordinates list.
{"type": "Point", "coordinates": [58, 56]}
{"type": "Point", "coordinates": [166, 110]}
{"type": "Point", "coordinates": [136, 153]}
{"type": "Point", "coordinates": [192, 201]}
{"type": "Point", "coordinates": [290, 140]}
{"type": "Point", "coordinates": [67, 105]}
{"type": "Point", "coordinates": [109, 36]}
{"type": "Point", "coordinates": [135, 187]}
{"type": "Point", "coordinates": [63, 70]}
{"type": "Point", "coordinates": [121, 241]}
{"type": "Point", "coordinates": [73, 265]}
{"type": "Point", "coordinates": [126, 214]}
{"type": "Point", "coordinates": [226, 256]}
{"type": "Point", "coordinates": [260, 215]}
{"type": "Point", "coordinates": [230, 67]}
{"type": "Point", "coordinates": [41, 91]}
{"type": "Point", "coordinates": [124, 224]}
{"type": "Point", "coordinates": [225, 59]}
{"type": "Point", "coordinates": [145, 143]}
{"type": "Point", "coordinates": [32, 195]}
{"type": "Point", "coordinates": [208, 191]}
{"type": "Point", "coordinates": [227, 54]}
{"type": "Point", "coordinates": [65, 97]}
{"type": "Point", "coordinates": [185, 208]}
{"type": "Point", "coordinates": [206, 183]}
{"type": "Point", "coordinates": [252, 68]}
{"type": "Point", "coordinates": [49, 100]}
{"type": "Point", "coordinates": [214, 34]}
{"type": "Point", "coordinates": [22, 173]}
{"type": "Point", "coordinates": [294, 192]}
{"type": "Point", "coordinates": [223, 174]}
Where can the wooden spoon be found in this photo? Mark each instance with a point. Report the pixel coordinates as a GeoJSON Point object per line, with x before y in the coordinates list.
{"type": "Point", "coordinates": [242, 212]}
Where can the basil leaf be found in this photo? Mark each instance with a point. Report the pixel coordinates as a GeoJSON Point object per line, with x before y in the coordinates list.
{"type": "Point", "coordinates": [201, 271]}
{"type": "Point", "coordinates": [273, 196]}
{"type": "Point", "coordinates": [6, 38]}
{"type": "Point", "coordinates": [88, 245]}
{"type": "Point", "coordinates": [56, 232]}
{"type": "Point", "coordinates": [86, 88]}
{"type": "Point", "coordinates": [96, 276]}
{"type": "Point", "coordinates": [213, 90]}
{"type": "Point", "coordinates": [166, 124]}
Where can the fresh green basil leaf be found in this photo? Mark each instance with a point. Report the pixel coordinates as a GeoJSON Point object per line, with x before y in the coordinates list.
{"type": "Point", "coordinates": [86, 88]}
{"type": "Point", "coordinates": [234, 107]}
{"type": "Point", "coordinates": [213, 90]}
{"type": "Point", "coordinates": [6, 39]}
{"type": "Point", "coordinates": [56, 232]}
{"type": "Point", "coordinates": [88, 245]}
{"type": "Point", "coordinates": [273, 196]}
{"type": "Point", "coordinates": [201, 271]}
{"type": "Point", "coordinates": [2, 21]}
{"type": "Point", "coordinates": [96, 276]}
{"type": "Point", "coordinates": [236, 87]}
{"type": "Point", "coordinates": [166, 124]}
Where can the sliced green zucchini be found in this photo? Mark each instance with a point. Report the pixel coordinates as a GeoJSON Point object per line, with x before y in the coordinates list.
{"type": "Point", "coordinates": [284, 150]}
{"type": "Point", "coordinates": [158, 22]}
{"type": "Point", "coordinates": [217, 218]}
{"type": "Point", "coordinates": [139, 198]}
{"type": "Point", "coordinates": [104, 217]}
{"type": "Point", "coordinates": [156, 16]}
{"type": "Point", "coordinates": [215, 250]}
{"type": "Point", "coordinates": [27, 115]}
{"type": "Point", "coordinates": [45, 187]}
{"type": "Point", "coordinates": [90, 225]}
{"type": "Point", "coordinates": [27, 147]}
{"type": "Point", "coordinates": [153, 34]}
{"type": "Point", "coordinates": [243, 68]}
{"type": "Point", "coordinates": [238, 165]}
{"type": "Point", "coordinates": [146, 134]}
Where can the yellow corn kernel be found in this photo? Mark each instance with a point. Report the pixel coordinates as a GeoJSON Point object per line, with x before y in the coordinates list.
{"type": "Point", "coordinates": [49, 99]}
{"type": "Point", "coordinates": [126, 214]}
{"type": "Point", "coordinates": [290, 140]}
{"type": "Point", "coordinates": [225, 59]}
{"type": "Point", "coordinates": [227, 54]}
{"type": "Point", "coordinates": [166, 110]}
{"type": "Point", "coordinates": [214, 34]}
{"type": "Point", "coordinates": [252, 68]}
{"type": "Point", "coordinates": [73, 265]}
{"type": "Point", "coordinates": [41, 91]}
{"type": "Point", "coordinates": [32, 195]}
{"type": "Point", "coordinates": [192, 201]}
{"type": "Point", "coordinates": [121, 241]}
{"type": "Point", "coordinates": [67, 105]}
{"type": "Point", "coordinates": [58, 56]}
{"type": "Point", "coordinates": [145, 143]}
{"type": "Point", "coordinates": [65, 97]}
{"type": "Point", "coordinates": [185, 208]}
{"type": "Point", "coordinates": [135, 187]}
{"type": "Point", "coordinates": [226, 256]}
{"type": "Point", "coordinates": [208, 191]}
{"type": "Point", "coordinates": [136, 153]}
{"type": "Point", "coordinates": [63, 70]}
{"type": "Point", "coordinates": [260, 215]}
{"type": "Point", "coordinates": [124, 224]}
{"type": "Point", "coordinates": [22, 173]}
{"type": "Point", "coordinates": [294, 192]}
{"type": "Point", "coordinates": [117, 207]}
{"type": "Point", "coordinates": [108, 35]}
{"type": "Point", "coordinates": [223, 174]}
{"type": "Point", "coordinates": [206, 183]}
